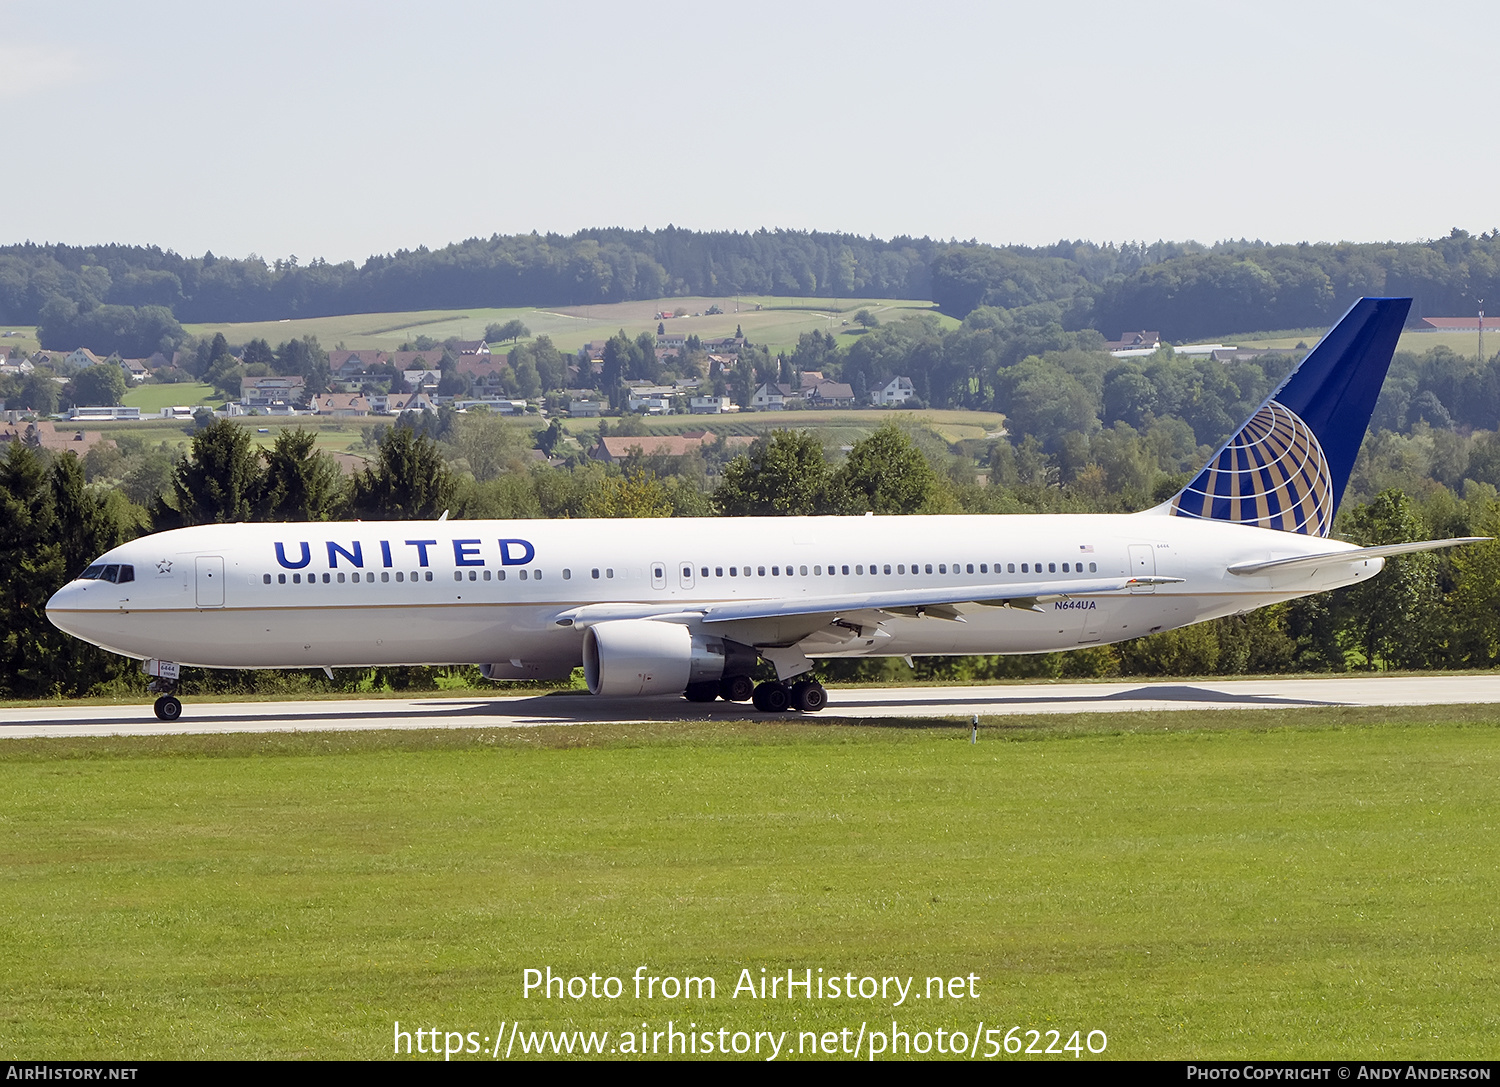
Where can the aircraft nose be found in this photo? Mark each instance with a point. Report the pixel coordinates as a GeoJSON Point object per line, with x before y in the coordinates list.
{"type": "Point", "coordinates": [63, 606]}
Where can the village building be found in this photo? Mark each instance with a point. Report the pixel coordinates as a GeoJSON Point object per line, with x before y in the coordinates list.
{"type": "Point", "coordinates": [44, 434]}
{"type": "Point", "coordinates": [135, 370]}
{"type": "Point", "coordinates": [772, 396]}
{"type": "Point", "coordinates": [831, 394]}
{"type": "Point", "coordinates": [615, 448]}
{"type": "Point", "coordinates": [584, 409]}
{"type": "Point", "coordinates": [82, 357]}
{"type": "Point", "coordinates": [395, 404]}
{"type": "Point", "coordinates": [417, 360]}
{"type": "Point", "coordinates": [340, 404]}
{"type": "Point", "coordinates": [897, 391]}
{"type": "Point", "coordinates": [350, 365]}
{"type": "Point", "coordinates": [1135, 341]}
{"type": "Point", "coordinates": [103, 412]}
{"type": "Point", "coordinates": [274, 392]}
{"type": "Point", "coordinates": [422, 379]}
{"type": "Point", "coordinates": [712, 405]}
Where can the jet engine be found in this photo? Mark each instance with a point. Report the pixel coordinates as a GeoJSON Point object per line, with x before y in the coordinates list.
{"type": "Point", "coordinates": [626, 658]}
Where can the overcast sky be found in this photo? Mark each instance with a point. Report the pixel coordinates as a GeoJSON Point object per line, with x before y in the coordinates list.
{"type": "Point", "coordinates": [339, 130]}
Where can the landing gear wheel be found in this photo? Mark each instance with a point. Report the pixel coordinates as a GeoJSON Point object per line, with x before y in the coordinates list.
{"type": "Point", "coordinates": [809, 696]}
{"type": "Point", "coordinates": [736, 688]}
{"type": "Point", "coordinates": [168, 708]}
{"type": "Point", "coordinates": [701, 692]}
{"type": "Point", "coordinates": [772, 698]}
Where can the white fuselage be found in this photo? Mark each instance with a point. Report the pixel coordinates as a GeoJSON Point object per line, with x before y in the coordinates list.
{"type": "Point", "coordinates": [481, 592]}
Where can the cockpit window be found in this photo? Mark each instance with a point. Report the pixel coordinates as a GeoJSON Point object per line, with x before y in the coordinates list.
{"type": "Point", "coordinates": [116, 572]}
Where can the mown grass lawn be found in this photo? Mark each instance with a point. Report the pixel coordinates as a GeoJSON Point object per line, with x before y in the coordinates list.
{"type": "Point", "coordinates": [1258, 884]}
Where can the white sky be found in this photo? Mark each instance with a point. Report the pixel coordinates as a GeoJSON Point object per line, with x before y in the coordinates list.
{"type": "Point", "coordinates": [342, 129]}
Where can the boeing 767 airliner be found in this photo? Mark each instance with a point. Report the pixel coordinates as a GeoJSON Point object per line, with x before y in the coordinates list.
{"type": "Point", "coordinates": [688, 607]}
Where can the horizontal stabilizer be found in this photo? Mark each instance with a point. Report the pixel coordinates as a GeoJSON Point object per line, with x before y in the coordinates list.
{"type": "Point", "coordinates": [1340, 558]}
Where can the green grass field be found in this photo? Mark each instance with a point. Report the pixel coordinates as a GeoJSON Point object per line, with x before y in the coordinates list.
{"type": "Point", "coordinates": [152, 398]}
{"type": "Point", "coordinates": [1462, 343]}
{"type": "Point", "coordinates": [776, 324]}
{"type": "Point", "coordinates": [1235, 884]}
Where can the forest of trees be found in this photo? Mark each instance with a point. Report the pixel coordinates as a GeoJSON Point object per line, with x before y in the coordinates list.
{"type": "Point", "coordinates": [131, 298]}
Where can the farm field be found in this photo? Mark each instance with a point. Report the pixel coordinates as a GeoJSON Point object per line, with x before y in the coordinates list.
{"type": "Point", "coordinates": [1261, 884]}
{"type": "Point", "coordinates": [1463, 343]}
{"type": "Point", "coordinates": [777, 324]}
{"type": "Point", "coordinates": [152, 398]}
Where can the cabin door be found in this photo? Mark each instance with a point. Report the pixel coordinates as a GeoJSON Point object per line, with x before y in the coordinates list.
{"type": "Point", "coordinates": [1142, 564]}
{"type": "Point", "coordinates": [210, 581]}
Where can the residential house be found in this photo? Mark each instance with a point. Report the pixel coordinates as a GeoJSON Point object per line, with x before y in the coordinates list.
{"type": "Point", "coordinates": [44, 434]}
{"type": "Point", "coordinates": [1131, 341]}
{"type": "Point", "coordinates": [417, 360]}
{"type": "Point", "coordinates": [772, 397]}
{"type": "Point", "coordinates": [616, 448]}
{"type": "Point", "coordinates": [584, 409]}
{"type": "Point", "coordinates": [274, 391]}
{"type": "Point", "coordinates": [351, 365]}
{"type": "Point", "coordinates": [422, 379]}
{"type": "Point", "coordinates": [726, 345]}
{"type": "Point", "coordinates": [651, 403]}
{"type": "Point", "coordinates": [808, 380]}
{"type": "Point", "coordinates": [396, 403]}
{"type": "Point", "coordinates": [341, 404]}
{"type": "Point", "coordinates": [483, 373]}
{"type": "Point", "coordinates": [831, 394]}
{"type": "Point", "coordinates": [135, 370]}
{"type": "Point", "coordinates": [897, 391]}
{"type": "Point", "coordinates": [712, 405]}
{"type": "Point", "coordinates": [82, 357]}
{"type": "Point", "coordinates": [471, 347]}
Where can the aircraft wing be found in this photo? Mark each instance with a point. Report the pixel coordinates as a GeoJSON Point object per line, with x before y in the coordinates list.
{"type": "Point", "coordinates": [1340, 558]}
{"type": "Point", "coordinates": [933, 601]}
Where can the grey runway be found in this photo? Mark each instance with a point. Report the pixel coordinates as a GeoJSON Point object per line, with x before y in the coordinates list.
{"type": "Point", "coordinates": [845, 704]}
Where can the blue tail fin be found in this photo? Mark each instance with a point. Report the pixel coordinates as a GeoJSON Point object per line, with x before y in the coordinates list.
{"type": "Point", "coordinates": [1288, 465]}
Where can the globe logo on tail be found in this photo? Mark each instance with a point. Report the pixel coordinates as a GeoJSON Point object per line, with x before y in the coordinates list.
{"type": "Point", "coordinates": [1272, 474]}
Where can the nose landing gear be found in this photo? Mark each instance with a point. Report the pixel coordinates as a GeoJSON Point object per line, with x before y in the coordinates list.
{"type": "Point", "coordinates": [164, 676]}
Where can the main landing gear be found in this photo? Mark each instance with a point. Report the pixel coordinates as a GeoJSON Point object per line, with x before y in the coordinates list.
{"type": "Point", "coordinates": [805, 695]}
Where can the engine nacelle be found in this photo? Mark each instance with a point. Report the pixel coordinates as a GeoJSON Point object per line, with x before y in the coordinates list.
{"type": "Point", "coordinates": [626, 658]}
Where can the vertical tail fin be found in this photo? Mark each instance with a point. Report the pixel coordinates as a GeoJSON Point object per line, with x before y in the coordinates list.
{"type": "Point", "coordinates": [1288, 465]}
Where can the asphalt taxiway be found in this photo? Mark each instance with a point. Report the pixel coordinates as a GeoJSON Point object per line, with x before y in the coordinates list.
{"type": "Point", "coordinates": [845, 704]}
